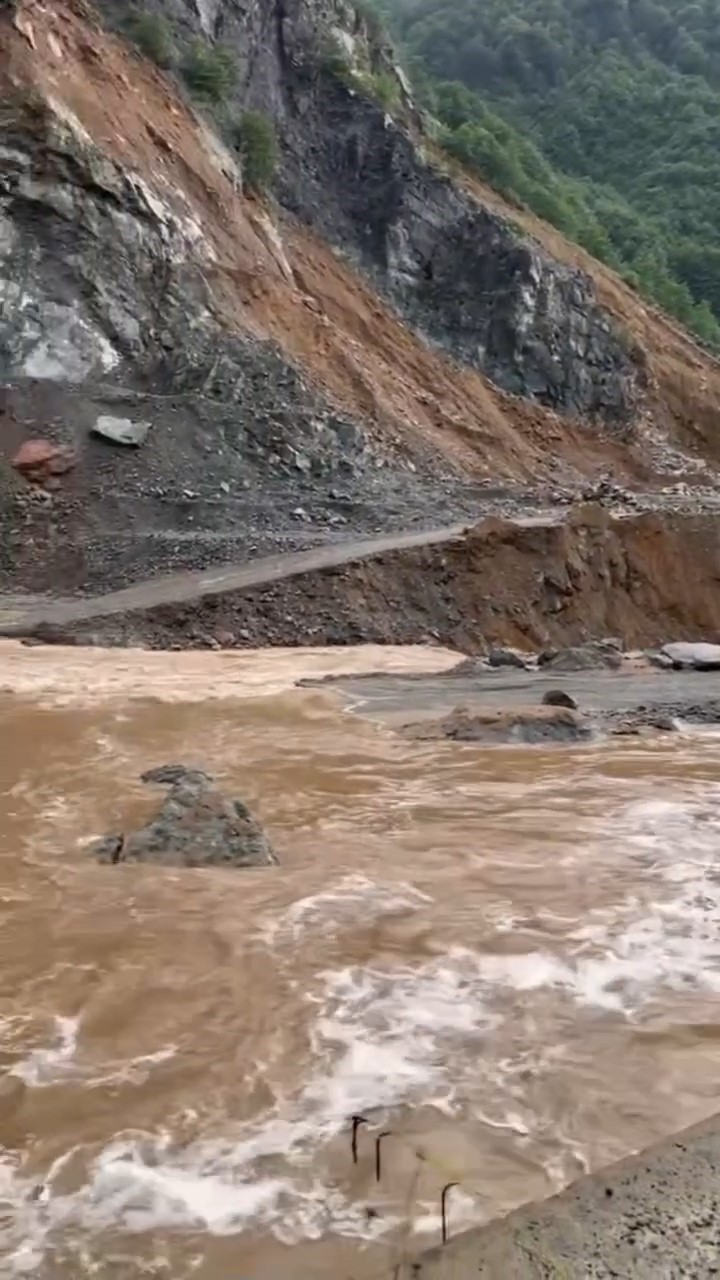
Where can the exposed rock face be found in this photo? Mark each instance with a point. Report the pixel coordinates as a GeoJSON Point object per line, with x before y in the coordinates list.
{"type": "Point", "coordinates": [460, 273]}
{"type": "Point", "coordinates": [518, 724]}
{"type": "Point", "coordinates": [107, 318]}
{"type": "Point", "coordinates": [196, 826]}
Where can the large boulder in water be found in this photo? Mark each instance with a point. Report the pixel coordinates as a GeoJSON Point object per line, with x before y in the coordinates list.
{"type": "Point", "coordinates": [516, 724]}
{"type": "Point", "coordinates": [196, 826]}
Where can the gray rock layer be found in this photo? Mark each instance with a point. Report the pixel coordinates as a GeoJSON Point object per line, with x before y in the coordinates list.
{"type": "Point", "coordinates": [461, 274]}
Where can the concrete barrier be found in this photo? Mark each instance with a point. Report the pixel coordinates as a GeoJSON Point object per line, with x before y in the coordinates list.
{"type": "Point", "coordinates": [654, 1216]}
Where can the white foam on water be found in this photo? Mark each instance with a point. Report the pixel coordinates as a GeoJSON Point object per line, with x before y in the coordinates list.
{"type": "Point", "coordinates": [388, 1037]}
{"type": "Point", "coordinates": [58, 1062]}
{"type": "Point", "coordinates": [130, 1070]}
{"type": "Point", "coordinates": [381, 1038]}
{"type": "Point", "coordinates": [353, 898]}
{"type": "Point", "coordinates": [49, 1065]}
{"type": "Point", "coordinates": [661, 939]}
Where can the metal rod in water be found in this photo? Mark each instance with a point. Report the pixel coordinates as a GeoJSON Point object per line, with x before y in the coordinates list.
{"type": "Point", "coordinates": [356, 1122]}
{"type": "Point", "coordinates": [378, 1140]}
{"type": "Point", "coordinates": [443, 1215]}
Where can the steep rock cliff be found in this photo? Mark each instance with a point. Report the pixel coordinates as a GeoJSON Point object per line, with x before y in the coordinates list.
{"type": "Point", "coordinates": [354, 170]}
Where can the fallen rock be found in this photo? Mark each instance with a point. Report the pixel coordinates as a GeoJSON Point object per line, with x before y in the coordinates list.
{"type": "Point", "coordinates": [41, 462]}
{"type": "Point", "coordinates": [502, 657]}
{"type": "Point", "coordinates": [226, 639]}
{"type": "Point", "coordinates": [559, 698]}
{"type": "Point", "coordinates": [636, 722]}
{"type": "Point", "coordinates": [659, 660]}
{"type": "Point", "coordinates": [587, 657]}
{"type": "Point", "coordinates": [696, 657]}
{"type": "Point", "coordinates": [121, 430]}
{"type": "Point", "coordinates": [517, 724]}
{"type": "Point", "coordinates": [196, 826]}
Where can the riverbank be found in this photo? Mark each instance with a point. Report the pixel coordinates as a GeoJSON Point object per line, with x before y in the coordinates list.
{"type": "Point", "coordinates": [653, 1216]}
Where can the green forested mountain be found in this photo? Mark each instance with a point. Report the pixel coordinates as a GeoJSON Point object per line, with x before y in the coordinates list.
{"type": "Point", "coordinates": [602, 115]}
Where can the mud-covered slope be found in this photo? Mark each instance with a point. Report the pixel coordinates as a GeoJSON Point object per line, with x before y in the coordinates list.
{"type": "Point", "coordinates": [338, 362]}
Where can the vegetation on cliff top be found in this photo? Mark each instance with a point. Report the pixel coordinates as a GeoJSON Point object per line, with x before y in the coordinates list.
{"type": "Point", "coordinates": [602, 115]}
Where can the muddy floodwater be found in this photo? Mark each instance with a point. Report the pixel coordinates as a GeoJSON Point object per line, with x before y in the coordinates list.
{"type": "Point", "coordinates": [506, 958]}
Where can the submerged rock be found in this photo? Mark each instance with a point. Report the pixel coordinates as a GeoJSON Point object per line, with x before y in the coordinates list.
{"type": "Point", "coordinates": [516, 724]}
{"type": "Point", "coordinates": [196, 826]}
{"type": "Point", "coordinates": [559, 698]}
{"type": "Point", "coordinates": [661, 716]}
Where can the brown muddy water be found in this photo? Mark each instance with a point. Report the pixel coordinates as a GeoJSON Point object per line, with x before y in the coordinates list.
{"type": "Point", "coordinates": [507, 958]}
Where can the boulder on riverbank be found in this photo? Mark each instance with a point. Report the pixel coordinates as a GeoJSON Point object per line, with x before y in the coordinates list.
{"type": "Point", "coordinates": [593, 656]}
{"type": "Point", "coordinates": [685, 655]}
{"type": "Point", "coordinates": [196, 826]}
{"type": "Point", "coordinates": [516, 724]}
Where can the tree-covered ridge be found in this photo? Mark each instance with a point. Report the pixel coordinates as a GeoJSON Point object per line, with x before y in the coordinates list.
{"type": "Point", "coordinates": [602, 115]}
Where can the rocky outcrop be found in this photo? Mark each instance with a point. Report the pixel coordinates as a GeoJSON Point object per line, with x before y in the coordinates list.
{"type": "Point", "coordinates": [358, 172]}
{"type": "Point", "coordinates": [196, 826]}
{"type": "Point", "coordinates": [459, 273]}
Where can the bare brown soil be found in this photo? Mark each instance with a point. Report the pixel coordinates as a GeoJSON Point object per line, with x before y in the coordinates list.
{"type": "Point", "coordinates": [647, 579]}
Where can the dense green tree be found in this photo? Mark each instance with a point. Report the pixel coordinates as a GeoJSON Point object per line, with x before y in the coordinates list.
{"type": "Point", "coordinates": [254, 136]}
{"type": "Point", "coordinates": [209, 70]}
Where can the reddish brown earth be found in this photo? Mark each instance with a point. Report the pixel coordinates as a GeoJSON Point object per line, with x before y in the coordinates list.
{"type": "Point", "coordinates": [647, 579]}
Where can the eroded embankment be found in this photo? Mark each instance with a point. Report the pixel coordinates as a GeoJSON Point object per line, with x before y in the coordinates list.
{"type": "Point", "coordinates": [646, 579]}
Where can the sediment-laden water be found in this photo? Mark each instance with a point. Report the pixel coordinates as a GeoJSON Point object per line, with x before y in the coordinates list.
{"type": "Point", "coordinates": [507, 958]}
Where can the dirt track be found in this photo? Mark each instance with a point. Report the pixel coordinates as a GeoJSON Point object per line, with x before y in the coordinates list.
{"type": "Point", "coordinates": [538, 579]}
{"type": "Point", "coordinates": [17, 618]}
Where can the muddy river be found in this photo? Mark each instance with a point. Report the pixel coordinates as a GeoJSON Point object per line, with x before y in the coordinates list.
{"type": "Point", "coordinates": [507, 959]}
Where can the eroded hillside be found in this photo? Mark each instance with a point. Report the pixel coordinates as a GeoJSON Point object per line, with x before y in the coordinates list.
{"type": "Point", "coordinates": [377, 345]}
